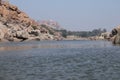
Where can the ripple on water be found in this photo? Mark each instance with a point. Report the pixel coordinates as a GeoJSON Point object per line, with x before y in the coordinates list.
{"type": "Point", "coordinates": [70, 63]}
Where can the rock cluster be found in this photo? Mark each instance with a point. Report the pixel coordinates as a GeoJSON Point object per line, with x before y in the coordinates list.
{"type": "Point", "coordinates": [16, 25]}
{"type": "Point", "coordinates": [104, 36]}
{"type": "Point", "coordinates": [115, 35]}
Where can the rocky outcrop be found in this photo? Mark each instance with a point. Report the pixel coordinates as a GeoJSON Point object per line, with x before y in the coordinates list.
{"type": "Point", "coordinates": [115, 35]}
{"type": "Point", "coordinates": [104, 36]}
{"type": "Point", "coordinates": [13, 15]}
{"type": "Point", "coordinates": [16, 25]}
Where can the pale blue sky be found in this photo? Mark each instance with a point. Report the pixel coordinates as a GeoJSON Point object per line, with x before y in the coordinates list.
{"type": "Point", "coordinates": [75, 15]}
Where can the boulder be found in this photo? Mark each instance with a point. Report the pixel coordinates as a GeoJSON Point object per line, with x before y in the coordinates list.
{"type": "Point", "coordinates": [22, 35]}
{"type": "Point", "coordinates": [3, 31]}
{"type": "Point", "coordinates": [115, 34]}
{"type": "Point", "coordinates": [1, 35]}
{"type": "Point", "coordinates": [35, 32]}
{"type": "Point", "coordinates": [13, 8]}
{"type": "Point", "coordinates": [4, 12]}
{"type": "Point", "coordinates": [104, 36]}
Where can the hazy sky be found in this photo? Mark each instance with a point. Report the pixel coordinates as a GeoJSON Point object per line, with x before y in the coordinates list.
{"type": "Point", "coordinates": [74, 14]}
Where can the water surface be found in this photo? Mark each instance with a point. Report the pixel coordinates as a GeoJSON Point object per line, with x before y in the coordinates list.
{"type": "Point", "coordinates": [59, 60]}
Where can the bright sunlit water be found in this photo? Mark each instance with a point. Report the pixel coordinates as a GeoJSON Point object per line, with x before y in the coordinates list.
{"type": "Point", "coordinates": [59, 60]}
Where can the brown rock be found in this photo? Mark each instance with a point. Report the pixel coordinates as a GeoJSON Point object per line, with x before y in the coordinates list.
{"type": "Point", "coordinates": [13, 8]}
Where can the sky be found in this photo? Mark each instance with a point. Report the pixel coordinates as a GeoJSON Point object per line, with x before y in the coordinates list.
{"type": "Point", "coordinates": [74, 15]}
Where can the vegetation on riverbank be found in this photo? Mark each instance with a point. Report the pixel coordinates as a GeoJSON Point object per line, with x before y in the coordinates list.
{"type": "Point", "coordinates": [95, 32]}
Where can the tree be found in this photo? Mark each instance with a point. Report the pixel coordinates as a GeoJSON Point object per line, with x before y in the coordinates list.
{"type": "Point", "coordinates": [104, 30]}
{"type": "Point", "coordinates": [64, 32]}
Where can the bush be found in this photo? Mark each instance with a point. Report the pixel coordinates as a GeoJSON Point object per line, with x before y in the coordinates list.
{"type": "Point", "coordinates": [34, 27]}
{"type": "Point", "coordinates": [51, 31]}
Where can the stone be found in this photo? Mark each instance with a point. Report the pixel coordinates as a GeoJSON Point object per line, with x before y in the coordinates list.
{"type": "Point", "coordinates": [22, 35]}
{"type": "Point", "coordinates": [104, 36]}
{"type": "Point", "coordinates": [35, 32]}
{"type": "Point", "coordinates": [13, 8]}
{"type": "Point", "coordinates": [1, 35]}
{"type": "Point", "coordinates": [115, 34]}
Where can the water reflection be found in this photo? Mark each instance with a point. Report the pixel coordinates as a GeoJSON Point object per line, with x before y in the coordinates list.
{"type": "Point", "coordinates": [53, 45]}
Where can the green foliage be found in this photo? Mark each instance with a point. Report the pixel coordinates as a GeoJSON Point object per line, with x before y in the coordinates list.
{"type": "Point", "coordinates": [64, 32]}
{"type": "Point", "coordinates": [43, 25]}
{"type": "Point", "coordinates": [51, 31]}
{"type": "Point", "coordinates": [34, 27]}
{"type": "Point", "coordinates": [95, 32]}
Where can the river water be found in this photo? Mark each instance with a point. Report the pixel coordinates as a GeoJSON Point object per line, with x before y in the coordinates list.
{"type": "Point", "coordinates": [59, 60]}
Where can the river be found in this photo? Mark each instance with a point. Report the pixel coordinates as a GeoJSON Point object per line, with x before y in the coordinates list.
{"type": "Point", "coordinates": [59, 60]}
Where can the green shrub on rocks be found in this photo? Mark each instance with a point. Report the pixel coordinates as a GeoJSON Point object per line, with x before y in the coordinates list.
{"type": "Point", "coordinates": [34, 27]}
{"type": "Point", "coordinates": [51, 31]}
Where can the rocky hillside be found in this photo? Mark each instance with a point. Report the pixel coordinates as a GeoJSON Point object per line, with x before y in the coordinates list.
{"type": "Point", "coordinates": [16, 25]}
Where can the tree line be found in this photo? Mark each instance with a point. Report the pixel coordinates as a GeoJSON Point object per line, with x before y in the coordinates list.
{"type": "Point", "coordinates": [94, 32]}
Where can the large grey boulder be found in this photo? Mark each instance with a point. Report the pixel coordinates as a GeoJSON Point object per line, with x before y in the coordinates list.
{"type": "Point", "coordinates": [115, 34]}
{"type": "Point", "coordinates": [22, 35]}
